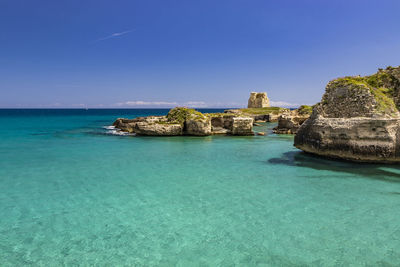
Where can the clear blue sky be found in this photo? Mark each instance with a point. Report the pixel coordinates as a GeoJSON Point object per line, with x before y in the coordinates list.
{"type": "Point", "coordinates": [196, 53]}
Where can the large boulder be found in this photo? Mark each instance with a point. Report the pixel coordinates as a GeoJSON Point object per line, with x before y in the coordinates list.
{"type": "Point", "coordinates": [358, 119]}
{"type": "Point", "coordinates": [258, 100]}
{"type": "Point", "coordinates": [242, 126]}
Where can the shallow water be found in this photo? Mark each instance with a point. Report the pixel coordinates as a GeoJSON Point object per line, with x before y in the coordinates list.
{"type": "Point", "coordinates": [71, 194]}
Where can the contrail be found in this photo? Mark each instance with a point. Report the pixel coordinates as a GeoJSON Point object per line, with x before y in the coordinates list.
{"type": "Point", "coordinates": [116, 34]}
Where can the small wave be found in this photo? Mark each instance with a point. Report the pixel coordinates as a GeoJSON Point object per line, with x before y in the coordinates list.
{"type": "Point", "coordinates": [111, 130]}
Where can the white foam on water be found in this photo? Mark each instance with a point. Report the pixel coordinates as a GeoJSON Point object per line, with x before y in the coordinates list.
{"type": "Point", "coordinates": [115, 131]}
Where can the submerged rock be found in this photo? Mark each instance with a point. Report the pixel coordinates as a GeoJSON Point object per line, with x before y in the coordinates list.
{"type": "Point", "coordinates": [358, 119]}
{"type": "Point", "coordinates": [258, 100]}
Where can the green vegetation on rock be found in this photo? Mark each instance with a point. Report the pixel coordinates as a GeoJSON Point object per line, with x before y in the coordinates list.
{"type": "Point", "coordinates": [218, 114]}
{"type": "Point", "coordinates": [382, 86]}
{"type": "Point", "coordinates": [181, 114]}
{"type": "Point", "coordinates": [304, 110]}
{"type": "Point", "coordinates": [384, 100]}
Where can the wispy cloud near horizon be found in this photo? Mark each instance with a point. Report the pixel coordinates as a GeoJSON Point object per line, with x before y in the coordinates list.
{"type": "Point", "coordinates": [145, 103]}
{"type": "Point", "coordinates": [113, 35]}
{"type": "Point", "coordinates": [150, 104]}
{"type": "Point", "coordinates": [284, 104]}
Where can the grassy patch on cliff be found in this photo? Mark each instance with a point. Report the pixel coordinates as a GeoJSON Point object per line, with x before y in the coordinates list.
{"type": "Point", "coordinates": [305, 110]}
{"type": "Point", "coordinates": [218, 114]}
{"type": "Point", "coordinates": [181, 114]}
{"type": "Point", "coordinates": [384, 98]}
{"type": "Point", "coordinates": [381, 85]}
{"type": "Point", "coordinates": [261, 111]}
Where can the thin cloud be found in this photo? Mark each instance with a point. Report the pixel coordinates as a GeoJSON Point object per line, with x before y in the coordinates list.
{"type": "Point", "coordinates": [115, 34]}
{"type": "Point", "coordinates": [284, 104]}
{"type": "Point", "coordinates": [191, 104]}
{"type": "Point", "coordinates": [145, 103]}
{"type": "Point", "coordinates": [195, 104]}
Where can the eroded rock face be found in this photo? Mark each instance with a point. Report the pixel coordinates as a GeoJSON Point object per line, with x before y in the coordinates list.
{"type": "Point", "coordinates": [242, 126]}
{"type": "Point", "coordinates": [222, 121]}
{"type": "Point", "coordinates": [358, 119]}
{"type": "Point", "coordinates": [125, 125]}
{"type": "Point", "coordinates": [158, 129]}
{"type": "Point", "coordinates": [258, 100]}
{"type": "Point", "coordinates": [200, 127]}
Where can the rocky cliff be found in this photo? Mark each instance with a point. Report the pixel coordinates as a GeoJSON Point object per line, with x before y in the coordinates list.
{"type": "Point", "coordinates": [357, 119]}
{"type": "Point", "coordinates": [258, 100]}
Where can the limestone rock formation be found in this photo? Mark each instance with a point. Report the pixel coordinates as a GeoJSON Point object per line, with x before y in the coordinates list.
{"type": "Point", "coordinates": [125, 125]}
{"type": "Point", "coordinates": [290, 122]}
{"type": "Point", "coordinates": [258, 100]}
{"type": "Point", "coordinates": [242, 126]}
{"type": "Point", "coordinates": [358, 119]}
{"type": "Point", "coordinates": [158, 129]}
{"type": "Point", "coordinates": [185, 121]}
{"type": "Point", "coordinates": [201, 127]}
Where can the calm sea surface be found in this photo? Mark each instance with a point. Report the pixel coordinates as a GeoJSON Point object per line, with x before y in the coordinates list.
{"type": "Point", "coordinates": [73, 194]}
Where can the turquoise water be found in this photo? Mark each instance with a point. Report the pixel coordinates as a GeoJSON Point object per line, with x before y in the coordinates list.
{"type": "Point", "coordinates": [72, 194]}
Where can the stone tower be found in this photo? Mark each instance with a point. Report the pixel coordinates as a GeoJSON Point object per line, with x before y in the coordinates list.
{"type": "Point", "coordinates": [258, 100]}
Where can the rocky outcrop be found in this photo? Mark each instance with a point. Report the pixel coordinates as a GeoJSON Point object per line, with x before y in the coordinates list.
{"type": "Point", "coordinates": [184, 121]}
{"type": "Point", "coordinates": [290, 122]}
{"type": "Point", "coordinates": [258, 100]}
{"type": "Point", "coordinates": [358, 119]}
{"type": "Point", "coordinates": [125, 125]}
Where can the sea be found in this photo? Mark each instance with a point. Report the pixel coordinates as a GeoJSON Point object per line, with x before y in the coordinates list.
{"type": "Point", "coordinates": [76, 192]}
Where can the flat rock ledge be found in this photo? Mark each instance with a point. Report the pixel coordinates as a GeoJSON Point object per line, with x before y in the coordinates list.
{"type": "Point", "coordinates": [358, 119]}
{"type": "Point", "coordinates": [185, 121]}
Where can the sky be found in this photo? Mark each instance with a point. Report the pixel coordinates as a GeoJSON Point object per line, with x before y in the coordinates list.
{"type": "Point", "coordinates": [208, 53]}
